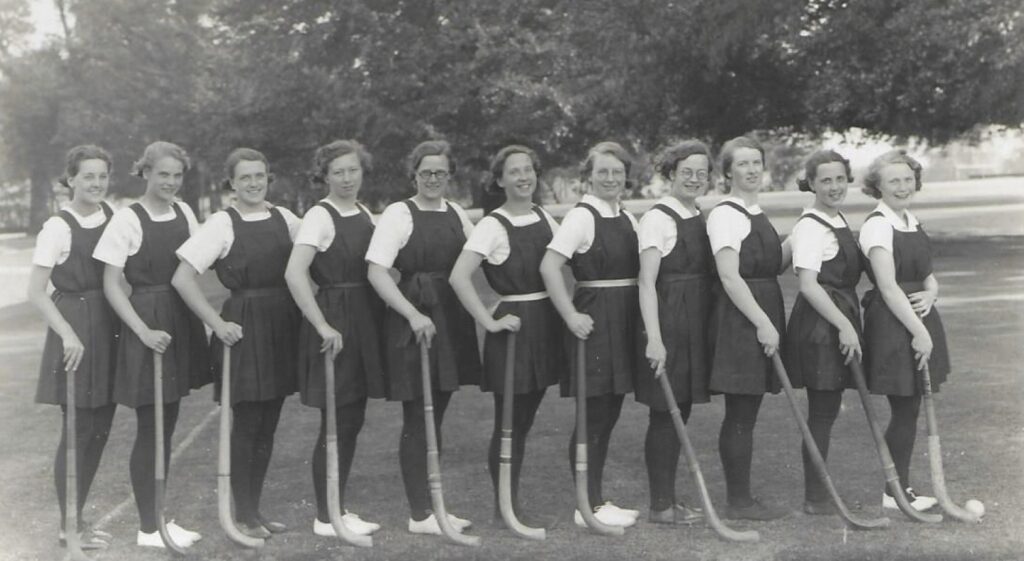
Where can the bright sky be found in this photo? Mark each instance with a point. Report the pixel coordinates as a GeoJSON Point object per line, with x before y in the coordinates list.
{"type": "Point", "coordinates": [45, 19]}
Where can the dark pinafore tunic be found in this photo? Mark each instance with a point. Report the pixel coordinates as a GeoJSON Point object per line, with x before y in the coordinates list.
{"type": "Point", "coordinates": [352, 308]}
{"type": "Point", "coordinates": [539, 355]}
{"type": "Point", "coordinates": [614, 348]}
{"type": "Point", "coordinates": [79, 299]}
{"type": "Point", "coordinates": [739, 364]}
{"type": "Point", "coordinates": [263, 362]}
{"type": "Point", "coordinates": [889, 361]}
{"type": "Point", "coordinates": [811, 352]}
{"type": "Point", "coordinates": [425, 263]}
{"type": "Point", "coordinates": [684, 312]}
{"type": "Point", "coordinates": [186, 362]}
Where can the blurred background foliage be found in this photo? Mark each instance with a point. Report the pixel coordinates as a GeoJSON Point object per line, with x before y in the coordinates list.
{"type": "Point", "coordinates": [285, 76]}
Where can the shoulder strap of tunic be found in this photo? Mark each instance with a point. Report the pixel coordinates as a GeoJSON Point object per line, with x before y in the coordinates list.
{"type": "Point", "coordinates": [107, 211]}
{"type": "Point", "coordinates": [234, 215]}
{"type": "Point", "coordinates": [591, 209]}
{"type": "Point", "coordinates": [333, 212]}
{"type": "Point", "coordinates": [736, 206]}
{"type": "Point", "coordinates": [69, 218]}
{"type": "Point", "coordinates": [819, 220]}
{"type": "Point", "coordinates": [505, 222]}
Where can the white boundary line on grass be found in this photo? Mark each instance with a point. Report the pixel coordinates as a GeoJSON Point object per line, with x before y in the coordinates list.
{"type": "Point", "coordinates": [189, 439]}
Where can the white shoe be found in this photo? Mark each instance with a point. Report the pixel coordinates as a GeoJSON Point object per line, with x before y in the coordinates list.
{"type": "Point", "coordinates": [607, 517]}
{"type": "Point", "coordinates": [634, 514]}
{"type": "Point", "coordinates": [358, 525]}
{"type": "Point", "coordinates": [426, 526]}
{"type": "Point", "coordinates": [153, 539]}
{"type": "Point", "coordinates": [459, 524]}
{"type": "Point", "coordinates": [179, 534]}
{"type": "Point", "coordinates": [920, 503]}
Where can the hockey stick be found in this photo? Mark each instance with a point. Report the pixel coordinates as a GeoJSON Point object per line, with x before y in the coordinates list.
{"type": "Point", "coordinates": [508, 513]}
{"type": "Point", "coordinates": [434, 458]}
{"type": "Point", "coordinates": [710, 515]}
{"type": "Point", "coordinates": [333, 477]}
{"type": "Point", "coordinates": [71, 538]}
{"type": "Point", "coordinates": [582, 495]}
{"type": "Point", "coordinates": [227, 521]}
{"type": "Point", "coordinates": [892, 479]}
{"type": "Point", "coordinates": [935, 457]}
{"type": "Point", "coordinates": [816, 458]}
{"type": "Point", "coordinates": [161, 467]}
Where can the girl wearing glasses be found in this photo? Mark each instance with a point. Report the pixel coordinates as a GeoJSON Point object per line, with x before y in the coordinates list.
{"type": "Point", "coordinates": [823, 334]}
{"type": "Point", "coordinates": [598, 240]}
{"type": "Point", "coordinates": [675, 302]}
{"type": "Point", "coordinates": [343, 318]}
{"type": "Point", "coordinates": [138, 247]}
{"type": "Point", "coordinates": [421, 238]}
{"type": "Point", "coordinates": [248, 245]}
{"type": "Point", "coordinates": [81, 341]}
{"type": "Point", "coordinates": [509, 243]}
{"type": "Point", "coordinates": [747, 320]}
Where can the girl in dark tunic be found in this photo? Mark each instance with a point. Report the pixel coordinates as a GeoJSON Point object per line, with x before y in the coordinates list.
{"type": "Point", "coordinates": [343, 318]}
{"type": "Point", "coordinates": [421, 237]}
{"type": "Point", "coordinates": [138, 246]}
{"type": "Point", "coordinates": [509, 244]}
{"type": "Point", "coordinates": [747, 320]}
{"type": "Point", "coordinates": [902, 329]}
{"type": "Point", "coordinates": [675, 302]}
{"type": "Point", "coordinates": [823, 334]}
{"type": "Point", "coordinates": [248, 245]}
{"type": "Point", "coordinates": [598, 239]}
{"type": "Point", "coordinates": [82, 335]}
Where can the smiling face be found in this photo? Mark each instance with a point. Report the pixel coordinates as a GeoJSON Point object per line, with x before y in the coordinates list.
{"type": "Point", "coordinates": [90, 184]}
{"type": "Point", "coordinates": [432, 177]}
{"type": "Point", "coordinates": [897, 185]}
{"type": "Point", "coordinates": [163, 180]}
{"type": "Point", "coordinates": [608, 177]}
{"type": "Point", "coordinates": [250, 181]}
{"type": "Point", "coordinates": [345, 176]}
{"type": "Point", "coordinates": [747, 170]}
{"type": "Point", "coordinates": [518, 178]}
{"type": "Point", "coordinates": [690, 178]}
{"type": "Point", "coordinates": [830, 185]}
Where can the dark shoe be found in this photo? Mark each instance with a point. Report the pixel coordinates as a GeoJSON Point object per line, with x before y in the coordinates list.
{"type": "Point", "coordinates": [755, 511]}
{"type": "Point", "coordinates": [272, 527]}
{"type": "Point", "coordinates": [254, 530]}
{"type": "Point", "coordinates": [825, 507]}
{"type": "Point", "coordinates": [678, 513]}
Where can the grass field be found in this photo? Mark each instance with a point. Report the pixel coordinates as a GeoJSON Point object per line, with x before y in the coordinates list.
{"type": "Point", "coordinates": [980, 413]}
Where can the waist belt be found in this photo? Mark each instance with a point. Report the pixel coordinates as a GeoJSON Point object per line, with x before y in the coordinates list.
{"type": "Point", "coordinates": [606, 283]}
{"type": "Point", "coordinates": [679, 277]}
{"type": "Point", "coordinates": [152, 289]}
{"type": "Point", "coordinates": [420, 288]}
{"type": "Point", "coordinates": [761, 279]}
{"type": "Point", "coordinates": [259, 292]}
{"type": "Point", "coordinates": [529, 297]}
{"type": "Point", "coordinates": [353, 284]}
{"type": "Point", "coordinates": [94, 293]}
{"type": "Point", "coordinates": [909, 287]}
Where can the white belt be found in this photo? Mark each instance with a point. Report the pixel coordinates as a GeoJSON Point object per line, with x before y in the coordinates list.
{"type": "Point", "coordinates": [606, 283]}
{"type": "Point", "coordinates": [529, 297]}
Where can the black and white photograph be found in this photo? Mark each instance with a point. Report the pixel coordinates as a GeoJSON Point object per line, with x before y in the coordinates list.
{"type": "Point", "coordinates": [301, 280]}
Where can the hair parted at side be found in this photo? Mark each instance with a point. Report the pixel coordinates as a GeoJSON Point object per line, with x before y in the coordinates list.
{"type": "Point", "coordinates": [819, 158]}
{"type": "Point", "coordinates": [497, 163]}
{"type": "Point", "coordinates": [671, 155]}
{"type": "Point", "coordinates": [728, 152]}
{"type": "Point", "coordinates": [331, 151]}
{"type": "Point", "coordinates": [429, 148]}
{"type": "Point", "coordinates": [157, 150]}
{"type": "Point", "coordinates": [239, 155]}
{"type": "Point", "coordinates": [79, 154]}
{"type": "Point", "coordinates": [873, 177]}
{"type": "Point", "coordinates": [607, 148]}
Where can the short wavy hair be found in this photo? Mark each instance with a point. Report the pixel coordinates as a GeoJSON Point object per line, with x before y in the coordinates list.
{"type": "Point", "coordinates": [671, 155]}
{"type": "Point", "coordinates": [429, 148]}
{"type": "Point", "coordinates": [873, 178]}
{"type": "Point", "coordinates": [74, 158]}
{"type": "Point", "coordinates": [239, 155]}
{"type": "Point", "coordinates": [157, 150]}
{"type": "Point", "coordinates": [821, 157]}
{"type": "Point", "coordinates": [331, 151]}
{"type": "Point", "coordinates": [607, 148]}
